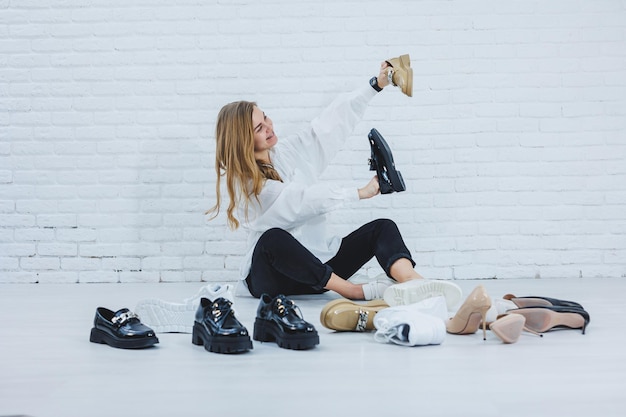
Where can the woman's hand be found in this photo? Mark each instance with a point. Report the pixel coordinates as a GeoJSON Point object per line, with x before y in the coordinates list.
{"type": "Point", "coordinates": [370, 190]}
{"type": "Point", "coordinates": [383, 80]}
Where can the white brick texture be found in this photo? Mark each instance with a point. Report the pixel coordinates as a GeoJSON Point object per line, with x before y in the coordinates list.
{"type": "Point", "coordinates": [513, 146]}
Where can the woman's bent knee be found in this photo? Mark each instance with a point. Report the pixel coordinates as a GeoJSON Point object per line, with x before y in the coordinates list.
{"type": "Point", "coordinates": [274, 233]}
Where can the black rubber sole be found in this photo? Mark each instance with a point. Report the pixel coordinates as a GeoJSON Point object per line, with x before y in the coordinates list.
{"type": "Point", "coordinates": [98, 336]}
{"type": "Point", "coordinates": [219, 344]}
{"type": "Point", "coordinates": [389, 178]}
{"type": "Point", "coordinates": [267, 331]}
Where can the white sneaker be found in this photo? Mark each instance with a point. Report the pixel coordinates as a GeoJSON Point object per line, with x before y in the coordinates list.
{"type": "Point", "coordinates": [498, 306]}
{"type": "Point", "coordinates": [166, 317]}
{"type": "Point", "coordinates": [409, 326]}
{"type": "Point", "coordinates": [212, 291]}
{"type": "Point", "coordinates": [434, 306]}
{"type": "Point", "coordinates": [416, 290]}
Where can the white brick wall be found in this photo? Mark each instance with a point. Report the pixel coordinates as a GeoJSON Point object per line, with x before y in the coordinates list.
{"type": "Point", "coordinates": [513, 146]}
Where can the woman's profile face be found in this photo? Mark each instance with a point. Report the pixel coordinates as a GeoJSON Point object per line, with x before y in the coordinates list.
{"type": "Point", "coordinates": [263, 128]}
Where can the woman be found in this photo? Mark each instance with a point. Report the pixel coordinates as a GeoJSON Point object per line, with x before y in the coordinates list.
{"type": "Point", "coordinates": [274, 194]}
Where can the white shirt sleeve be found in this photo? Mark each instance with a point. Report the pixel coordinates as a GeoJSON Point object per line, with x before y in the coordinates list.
{"type": "Point", "coordinates": [315, 147]}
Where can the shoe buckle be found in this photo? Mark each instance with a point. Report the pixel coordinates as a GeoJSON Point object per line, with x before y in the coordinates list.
{"type": "Point", "coordinates": [123, 318]}
{"type": "Point", "coordinates": [361, 323]}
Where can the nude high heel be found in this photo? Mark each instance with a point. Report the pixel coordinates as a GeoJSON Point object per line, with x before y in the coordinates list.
{"type": "Point", "coordinates": [508, 328]}
{"type": "Point", "coordinates": [546, 318]}
{"type": "Point", "coordinates": [536, 301]}
{"type": "Point", "coordinates": [472, 312]}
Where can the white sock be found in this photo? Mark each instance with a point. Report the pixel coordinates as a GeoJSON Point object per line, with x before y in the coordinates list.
{"type": "Point", "coordinates": [374, 290]}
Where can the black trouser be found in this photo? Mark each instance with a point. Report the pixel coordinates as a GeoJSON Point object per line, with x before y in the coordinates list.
{"type": "Point", "coordinates": [281, 265]}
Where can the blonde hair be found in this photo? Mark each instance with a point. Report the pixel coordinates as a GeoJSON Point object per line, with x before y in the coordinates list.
{"type": "Point", "coordinates": [234, 160]}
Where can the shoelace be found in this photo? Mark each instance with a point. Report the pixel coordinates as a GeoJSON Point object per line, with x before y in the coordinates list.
{"type": "Point", "coordinates": [285, 307]}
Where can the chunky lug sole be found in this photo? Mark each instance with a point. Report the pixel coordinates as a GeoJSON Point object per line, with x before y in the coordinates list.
{"type": "Point", "coordinates": [99, 336]}
{"type": "Point", "coordinates": [389, 179]}
{"type": "Point", "coordinates": [267, 331]}
{"type": "Point", "coordinates": [164, 317]}
{"type": "Point", "coordinates": [347, 316]}
{"type": "Point", "coordinates": [220, 343]}
{"type": "Point", "coordinates": [416, 290]}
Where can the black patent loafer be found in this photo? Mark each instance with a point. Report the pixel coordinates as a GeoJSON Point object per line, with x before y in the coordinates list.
{"type": "Point", "coordinates": [217, 328]}
{"type": "Point", "coordinates": [121, 329]}
{"type": "Point", "coordinates": [389, 178]}
{"type": "Point", "coordinates": [278, 320]}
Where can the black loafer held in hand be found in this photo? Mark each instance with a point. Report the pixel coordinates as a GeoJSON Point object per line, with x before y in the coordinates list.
{"type": "Point", "coordinates": [217, 328]}
{"type": "Point", "coordinates": [381, 161]}
{"type": "Point", "coordinates": [121, 329]}
{"type": "Point", "coordinates": [277, 320]}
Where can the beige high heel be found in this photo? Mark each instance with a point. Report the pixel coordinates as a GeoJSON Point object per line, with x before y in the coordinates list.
{"type": "Point", "coordinates": [401, 75]}
{"type": "Point", "coordinates": [472, 312]}
{"type": "Point", "coordinates": [508, 328]}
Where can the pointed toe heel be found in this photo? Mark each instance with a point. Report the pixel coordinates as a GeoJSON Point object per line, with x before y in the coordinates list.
{"type": "Point", "coordinates": [471, 314]}
{"type": "Point", "coordinates": [508, 328]}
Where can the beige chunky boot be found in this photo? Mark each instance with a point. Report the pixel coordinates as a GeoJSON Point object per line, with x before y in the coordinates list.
{"type": "Point", "coordinates": [401, 74]}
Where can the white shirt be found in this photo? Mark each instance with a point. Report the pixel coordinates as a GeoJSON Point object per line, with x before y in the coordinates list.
{"type": "Point", "coordinates": [299, 203]}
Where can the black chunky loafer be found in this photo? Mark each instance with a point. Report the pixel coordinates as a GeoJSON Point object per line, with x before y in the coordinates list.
{"type": "Point", "coordinates": [381, 161]}
{"type": "Point", "coordinates": [277, 320]}
{"type": "Point", "coordinates": [121, 329]}
{"type": "Point", "coordinates": [217, 328]}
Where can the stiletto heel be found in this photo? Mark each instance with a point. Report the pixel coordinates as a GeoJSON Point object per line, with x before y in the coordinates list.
{"type": "Point", "coordinates": [526, 329]}
{"type": "Point", "coordinates": [484, 320]}
{"type": "Point", "coordinates": [471, 314]}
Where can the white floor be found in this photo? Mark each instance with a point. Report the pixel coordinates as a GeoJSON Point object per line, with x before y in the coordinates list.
{"type": "Point", "coordinates": [48, 367]}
